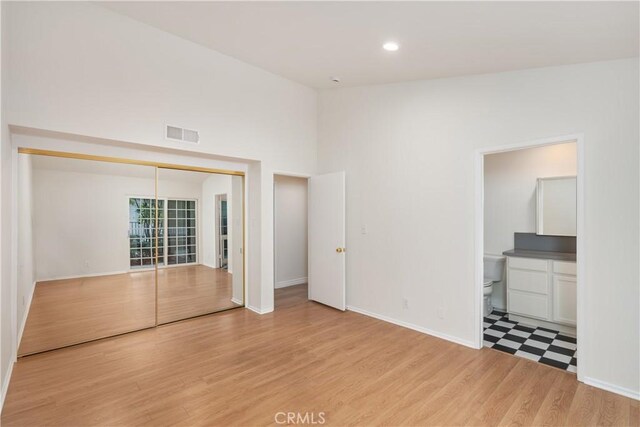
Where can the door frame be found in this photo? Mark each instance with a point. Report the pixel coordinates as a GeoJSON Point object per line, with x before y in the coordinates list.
{"type": "Point", "coordinates": [273, 219]}
{"type": "Point", "coordinates": [218, 236]}
{"type": "Point", "coordinates": [581, 336]}
{"type": "Point", "coordinates": [17, 150]}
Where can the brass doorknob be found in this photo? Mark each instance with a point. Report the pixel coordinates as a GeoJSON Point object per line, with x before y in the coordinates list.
{"type": "Point", "coordinates": [340, 250]}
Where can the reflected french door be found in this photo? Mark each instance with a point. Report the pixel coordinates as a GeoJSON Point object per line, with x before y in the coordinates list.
{"type": "Point", "coordinates": [223, 234]}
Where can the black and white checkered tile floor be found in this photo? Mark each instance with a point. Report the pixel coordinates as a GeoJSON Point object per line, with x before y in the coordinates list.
{"type": "Point", "coordinates": [538, 344]}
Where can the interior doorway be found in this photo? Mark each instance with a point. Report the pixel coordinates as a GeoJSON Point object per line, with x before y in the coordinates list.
{"type": "Point", "coordinates": [222, 234]}
{"type": "Point", "coordinates": [529, 264]}
{"type": "Point", "coordinates": [290, 217]}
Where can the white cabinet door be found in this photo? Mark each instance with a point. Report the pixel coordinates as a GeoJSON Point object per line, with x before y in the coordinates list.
{"type": "Point", "coordinates": [528, 304]}
{"type": "Point", "coordinates": [564, 300]}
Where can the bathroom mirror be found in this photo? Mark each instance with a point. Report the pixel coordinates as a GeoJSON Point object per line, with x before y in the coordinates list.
{"type": "Point", "coordinates": [556, 206]}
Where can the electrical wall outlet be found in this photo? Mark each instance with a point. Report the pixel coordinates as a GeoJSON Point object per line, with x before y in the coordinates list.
{"type": "Point", "coordinates": [440, 313]}
{"type": "Point", "coordinates": [405, 303]}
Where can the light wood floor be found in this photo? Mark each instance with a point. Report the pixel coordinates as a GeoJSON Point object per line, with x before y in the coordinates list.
{"type": "Point", "coordinates": [240, 368]}
{"type": "Point", "coordinates": [71, 311]}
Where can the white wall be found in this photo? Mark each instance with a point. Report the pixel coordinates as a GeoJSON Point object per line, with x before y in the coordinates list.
{"type": "Point", "coordinates": [26, 260]}
{"type": "Point", "coordinates": [8, 292]}
{"type": "Point", "coordinates": [290, 207]}
{"type": "Point", "coordinates": [63, 71]}
{"type": "Point", "coordinates": [75, 84]}
{"type": "Point", "coordinates": [510, 181]}
{"type": "Point", "coordinates": [83, 70]}
{"type": "Point", "coordinates": [82, 230]}
{"type": "Point", "coordinates": [409, 154]}
{"type": "Point", "coordinates": [62, 81]}
{"type": "Point", "coordinates": [81, 219]}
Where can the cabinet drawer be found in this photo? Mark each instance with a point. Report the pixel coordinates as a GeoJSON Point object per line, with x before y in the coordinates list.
{"type": "Point", "coordinates": [529, 281]}
{"type": "Point", "coordinates": [531, 305]}
{"type": "Point", "coordinates": [529, 264]}
{"type": "Point", "coordinates": [563, 267]}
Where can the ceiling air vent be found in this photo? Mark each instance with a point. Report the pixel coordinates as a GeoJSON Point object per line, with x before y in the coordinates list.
{"type": "Point", "coordinates": [179, 134]}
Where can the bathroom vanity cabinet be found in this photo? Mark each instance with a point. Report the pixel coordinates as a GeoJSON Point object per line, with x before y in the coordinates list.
{"type": "Point", "coordinates": [542, 292]}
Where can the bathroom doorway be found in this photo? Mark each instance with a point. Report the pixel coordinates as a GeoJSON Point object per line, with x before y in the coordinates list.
{"type": "Point", "coordinates": [529, 231]}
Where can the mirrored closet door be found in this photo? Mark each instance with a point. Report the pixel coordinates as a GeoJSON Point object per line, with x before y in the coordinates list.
{"type": "Point", "coordinates": [107, 247]}
{"type": "Point", "coordinates": [86, 253]}
{"type": "Point", "coordinates": [201, 269]}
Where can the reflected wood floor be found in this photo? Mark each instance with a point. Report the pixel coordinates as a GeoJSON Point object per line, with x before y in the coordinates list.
{"type": "Point", "coordinates": [240, 368]}
{"type": "Point", "coordinates": [71, 311]}
{"type": "Point", "coordinates": [193, 290]}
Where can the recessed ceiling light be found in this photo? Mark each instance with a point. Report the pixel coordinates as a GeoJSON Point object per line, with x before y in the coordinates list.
{"type": "Point", "coordinates": [391, 46]}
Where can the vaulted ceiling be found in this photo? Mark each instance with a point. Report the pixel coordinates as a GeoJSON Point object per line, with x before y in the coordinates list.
{"type": "Point", "coordinates": [311, 42]}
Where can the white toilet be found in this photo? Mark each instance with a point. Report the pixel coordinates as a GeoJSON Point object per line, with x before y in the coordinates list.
{"type": "Point", "coordinates": [493, 273]}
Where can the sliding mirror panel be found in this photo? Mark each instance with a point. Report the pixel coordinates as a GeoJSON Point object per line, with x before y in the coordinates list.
{"type": "Point", "coordinates": [200, 260]}
{"type": "Point", "coordinates": [86, 250]}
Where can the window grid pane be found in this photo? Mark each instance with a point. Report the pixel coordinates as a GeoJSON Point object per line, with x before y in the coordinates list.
{"type": "Point", "coordinates": [142, 231]}
{"type": "Point", "coordinates": [179, 227]}
{"type": "Point", "coordinates": [181, 232]}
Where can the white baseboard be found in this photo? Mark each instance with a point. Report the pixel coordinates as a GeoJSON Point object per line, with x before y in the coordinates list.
{"type": "Point", "coordinates": [113, 273]}
{"type": "Point", "coordinates": [633, 394]}
{"type": "Point", "coordinates": [292, 282]}
{"type": "Point", "coordinates": [236, 301]}
{"type": "Point", "coordinates": [5, 382]}
{"type": "Point", "coordinates": [206, 264]}
{"type": "Point", "coordinates": [81, 276]}
{"type": "Point", "coordinates": [259, 311]}
{"type": "Point", "coordinates": [27, 308]}
{"type": "Point", "coordinates": [414, 327]}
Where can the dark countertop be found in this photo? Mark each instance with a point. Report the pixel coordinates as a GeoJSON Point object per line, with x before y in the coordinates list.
{"type": "Point", "coordinates": [557, 256]}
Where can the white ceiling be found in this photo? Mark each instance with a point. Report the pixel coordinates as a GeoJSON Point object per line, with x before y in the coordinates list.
{"type": "Point", "coordinates": [309, 42]}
